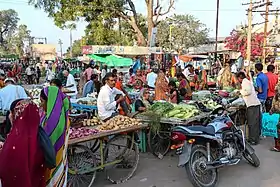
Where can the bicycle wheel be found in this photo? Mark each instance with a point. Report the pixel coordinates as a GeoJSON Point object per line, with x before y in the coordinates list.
{"type": "Point", "coordinates": [80, 160]}
{"type": "Point", "coordinates": [159, 143]}
{"type": "Point", "coordinates": [125, 153]}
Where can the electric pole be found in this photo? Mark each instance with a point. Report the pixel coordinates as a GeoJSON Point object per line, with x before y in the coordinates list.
{"type": "Point", "coordinates": [250, 17]}
{"type": "Point", "coordinates": [60, 43]}
{"type": "Point", "coordinates": [217, 29]}
{"type": "Point", "coordinates": [265, 32]}
{"type": "Point", "coordinates": [249, 35]}
{"type": "Point", "coordinates": [71, 53]}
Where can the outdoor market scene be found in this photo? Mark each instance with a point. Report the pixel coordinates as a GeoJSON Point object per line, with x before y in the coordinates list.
{"type": "Point", "coordinates": [148, 94]}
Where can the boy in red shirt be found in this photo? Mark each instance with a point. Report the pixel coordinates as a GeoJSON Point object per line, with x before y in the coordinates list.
{"type": "Point", "coordinates": [272, 82]}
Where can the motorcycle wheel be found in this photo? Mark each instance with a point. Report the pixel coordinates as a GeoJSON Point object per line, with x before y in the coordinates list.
{"type": "Point", "coordinates": [196, 168]}
{"type": "Point", "coordinates": [251, 158]}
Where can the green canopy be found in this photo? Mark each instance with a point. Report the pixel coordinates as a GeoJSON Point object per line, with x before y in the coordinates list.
{"type": "Point", "coordinates": [111, 60]}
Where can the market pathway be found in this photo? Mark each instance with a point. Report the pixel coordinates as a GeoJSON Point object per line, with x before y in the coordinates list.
{"type": "Point", "coordinates": [153, 172]}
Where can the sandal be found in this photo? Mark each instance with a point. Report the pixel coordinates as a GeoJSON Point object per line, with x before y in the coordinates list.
{"type": "Point", "coordinates": [274, 149]}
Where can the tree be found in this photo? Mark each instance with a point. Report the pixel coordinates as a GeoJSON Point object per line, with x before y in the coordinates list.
{"type": "Point", "coordinates": [76, 48]}
{"type": "Point", "coordinates": [237, 41]}
{"type": "Point", "coordinates": [102, 10]}
{"type": "Point", "coordinates": [127, 33]}
{"type": "Point", "coordinates": [20, 37]}
{"type": "Point", "coordinates": [186, 31]}
{"type": "Point", "coordinates": [8, 24]}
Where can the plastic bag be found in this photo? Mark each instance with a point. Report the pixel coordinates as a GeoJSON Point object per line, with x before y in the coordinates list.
{"type": "Point", "coordinates": [269, 125]}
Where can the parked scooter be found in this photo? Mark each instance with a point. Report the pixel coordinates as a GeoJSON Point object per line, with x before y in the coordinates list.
{"type": "Point", "coordinates": [204, 149]}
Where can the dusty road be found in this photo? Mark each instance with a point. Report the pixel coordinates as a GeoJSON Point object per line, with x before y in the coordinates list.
{"type": "Point", "coordinates": [153, 172]}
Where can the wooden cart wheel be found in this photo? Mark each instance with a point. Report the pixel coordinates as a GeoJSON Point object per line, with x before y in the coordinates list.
{"type": "Point", "coordinates": [125, 153]}
{"type": "Point", "coordinates": [159, 143]}
{"type": "Point", "coordinates": [93, 145]}
{"type": "Point", "coordinates": [81, 162]}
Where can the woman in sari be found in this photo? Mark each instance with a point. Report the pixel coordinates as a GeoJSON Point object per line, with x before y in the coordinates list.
{"type": "Point", "coordinates": [21, 159]}
{"type": "Point", "coordinates": [161, 87]}
{"type": "Point", "coordinates": [202, 79]}
{"type": "Point", "coordinates": [56, 124]}
{"type": "Point", "coordinates": [225, 77]}
{"type": "Point", "coordinates": [142, 103]}
{"type": "Point", "coordinates": [184, 87]}
{"type": "Point", "coordinates": [138, 80]}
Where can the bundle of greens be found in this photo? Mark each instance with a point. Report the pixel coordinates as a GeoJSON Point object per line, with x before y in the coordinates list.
{"type": "Point", "coordinates": [161, 108]}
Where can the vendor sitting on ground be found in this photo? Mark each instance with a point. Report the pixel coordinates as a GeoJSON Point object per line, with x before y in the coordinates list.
{"type": "Point", "coordinates": [109, 98]}
{"type": "Point", "coordinates": [142, 103]}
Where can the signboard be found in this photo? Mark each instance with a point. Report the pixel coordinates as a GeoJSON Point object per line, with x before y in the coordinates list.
{"type": "Point", "coordinates": [120, 50]}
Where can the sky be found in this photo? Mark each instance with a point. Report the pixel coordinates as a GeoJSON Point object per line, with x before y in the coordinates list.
{"type": "Point", "coordinates": [232, 13]}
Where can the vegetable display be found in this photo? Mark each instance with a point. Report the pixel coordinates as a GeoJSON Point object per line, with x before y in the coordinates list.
{"type": "Point", "coordinates": [210, 104]}
{"type": "Point", "coordinates": [118, 122]}
{"type": "Point", "coordinates": [161, 108]}
{"type": "Point", "coordinates": [91, 122]}
{"type": "Point", "coordinates": [35, 93]}
{"type": "Point", "coordinates": [182, 112]}
{"type": "Point", "coordinates": [81, 132]}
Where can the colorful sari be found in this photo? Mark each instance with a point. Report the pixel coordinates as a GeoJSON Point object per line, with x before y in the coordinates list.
{"type": "Point", "coordinates": [161, 87]}
{"type": "Point", "coordinates": [56, 125]}
{"type": "Point", "coordinates": [21, 159]}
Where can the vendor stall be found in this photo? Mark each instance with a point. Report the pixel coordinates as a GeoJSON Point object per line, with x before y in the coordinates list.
{"type": "Point", "coordinates": [118, 153]}
{"type": "Point", "coordinates": [112, 60]}
{"type": "Point", "coordinates": [162, 116]}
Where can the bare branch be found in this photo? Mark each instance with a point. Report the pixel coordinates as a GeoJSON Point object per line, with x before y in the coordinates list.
{"type": "Point", "coordinates": [171, 4]}
{"type": "Point", "coordinates": [157, 16]}
{"type": "Point", "coordinates": [132, 7]}
{"type": "Point", "coordinates": [157, 7]}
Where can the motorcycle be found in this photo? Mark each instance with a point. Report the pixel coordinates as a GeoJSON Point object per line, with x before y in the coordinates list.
{"type": "Point", "coordinates": [204, 149]}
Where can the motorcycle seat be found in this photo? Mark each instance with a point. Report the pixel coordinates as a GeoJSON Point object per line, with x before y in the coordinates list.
{"type": "Point", "coordinates": [206, 129]}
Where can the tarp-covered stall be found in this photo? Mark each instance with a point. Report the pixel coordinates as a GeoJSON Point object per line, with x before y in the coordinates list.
{"type": "Point", "coordinates": [112, 60]}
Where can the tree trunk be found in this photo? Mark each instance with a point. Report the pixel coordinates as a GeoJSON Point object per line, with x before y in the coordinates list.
{"type": "Point", "coordinates": [141, 40]}
{"type": "Point", "coordinates": [150, 20]}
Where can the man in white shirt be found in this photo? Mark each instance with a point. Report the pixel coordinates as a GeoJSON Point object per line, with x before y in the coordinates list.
{"type": "Point", "coordinates": [70, 84]}
{"type": "Point", "coordinates": [151, 79]}
{"type": "Point", "coordinates": [107, 102]}
{"type": "Point", "coordinates": [253, 107]}
{"type": "Point", "coordinates": [28, 72]}
{"type": "Point", "coordinates": [49, 75]}
{"type": "Point", "coordinates": [10, 93]}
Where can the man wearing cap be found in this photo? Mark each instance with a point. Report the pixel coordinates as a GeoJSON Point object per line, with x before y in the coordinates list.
{"type": "Point", "coordinates": [10, 93]}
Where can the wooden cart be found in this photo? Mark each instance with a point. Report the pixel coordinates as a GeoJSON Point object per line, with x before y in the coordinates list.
{"type": "Point", "coordinates": [159, 142]}
{"type": "Point", "coordinates": [118, 155]}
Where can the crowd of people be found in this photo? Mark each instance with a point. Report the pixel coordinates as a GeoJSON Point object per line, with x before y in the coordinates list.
{"type": "Point", "coordinates": [24, 119]}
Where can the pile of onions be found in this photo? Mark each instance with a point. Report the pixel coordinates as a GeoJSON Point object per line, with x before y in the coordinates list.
{"type": "Point", "coordinates": [81, 132]}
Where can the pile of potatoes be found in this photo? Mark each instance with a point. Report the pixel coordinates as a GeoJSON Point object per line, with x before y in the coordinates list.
{"type": "Point", "coordinates": [91, 122]}
{"type": "Point", "coordinates": [119, 122]}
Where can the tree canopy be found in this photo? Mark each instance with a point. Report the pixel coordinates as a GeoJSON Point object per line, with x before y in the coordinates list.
{"type": "Point", "coordinates": [8, 24]}
{"type": "Point", "coordinates": [102, 11]}
{"type": "Point", "coordinates": [237, 41]}
{"type": "Point", "coordinates": [12, 35]}
{"type": "Point", "coordinates": [76, 49]}
{"type": "Point", "coordinates": [186, 31]}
